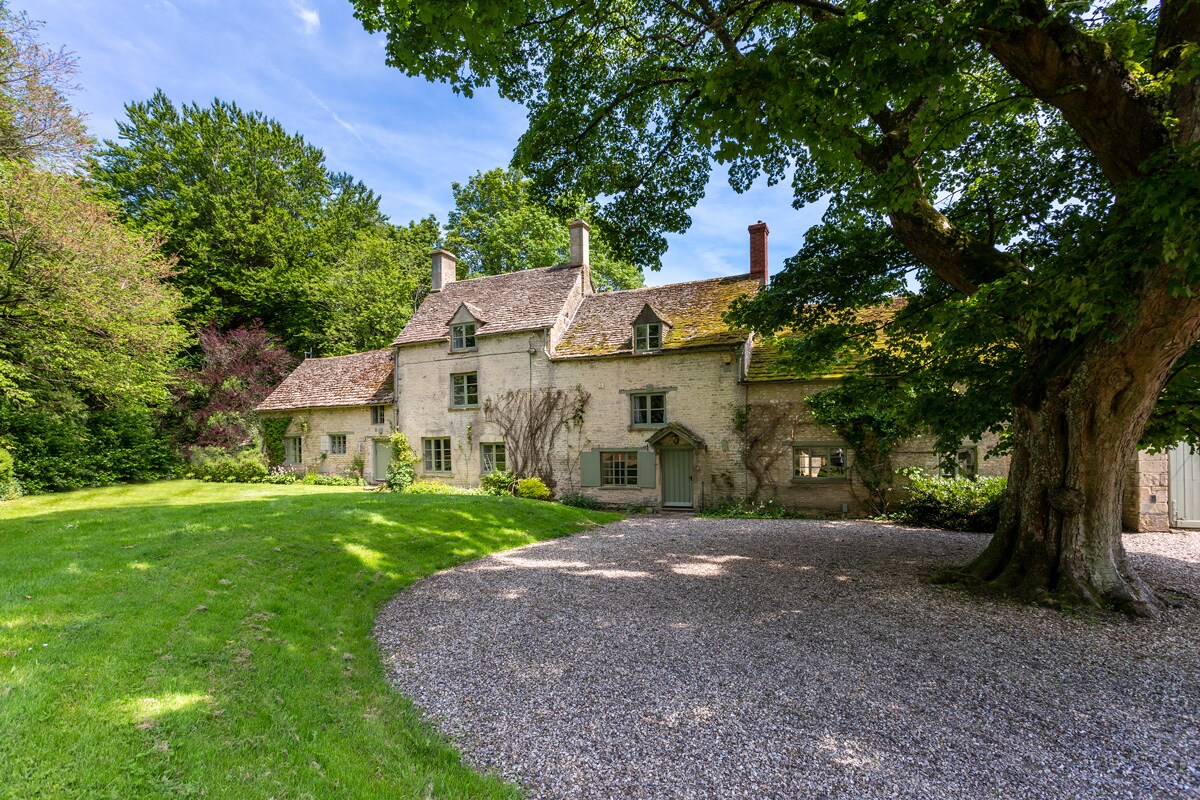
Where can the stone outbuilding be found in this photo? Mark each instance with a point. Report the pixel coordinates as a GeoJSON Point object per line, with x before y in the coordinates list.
{"type": "Point", "coordinates": [340, 412]}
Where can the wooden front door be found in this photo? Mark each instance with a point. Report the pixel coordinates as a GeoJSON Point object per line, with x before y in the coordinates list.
{"type": "Point", "coordinates": [677, 466]}
{"type": "Point", "coordinates": [383, 457]}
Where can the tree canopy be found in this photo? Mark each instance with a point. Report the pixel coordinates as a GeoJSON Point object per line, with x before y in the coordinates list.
{"type": "Point", "coordinates": [1032, 168]}
{"type": "Point", "coordinates": [250, 211]}
{"type": "Point", "coordinates": [498, 225]}
{"type": "Point", "coordinates": [37, 122]}
{"type": "Point", "coordinates": [375, 285]}
{"type": "Point", "coordinates": [88, 330]}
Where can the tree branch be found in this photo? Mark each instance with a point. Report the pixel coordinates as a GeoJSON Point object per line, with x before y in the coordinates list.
{"type": "Point", "coordinates": [959, 259]}
{"type": "Point", "coordinates": [1076, 74]}
{"type": "Point", "coordinates": [1179, 23]}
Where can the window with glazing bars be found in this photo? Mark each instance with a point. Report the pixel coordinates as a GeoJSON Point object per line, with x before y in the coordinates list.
{"type": "Point", "coordinates": [462, 337]}
{"type": "Point", "coordinates": [493, 457]}
{"type": "Point", "coordinates": [437, 454]}
{"type": "Point", "coordinates": [649, 409]}
{"type": "Point", "coordinates": [618, 468]}
{"type": "Point", "coordinates": [464, 389]}
{"type": "Point", "coordinates": [647, 336]}
{"type": "Point", "coordinates": [818, 461]}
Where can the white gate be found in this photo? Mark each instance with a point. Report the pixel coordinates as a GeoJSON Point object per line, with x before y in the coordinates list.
{"type": "Point", "coordinates": [1185, 487]}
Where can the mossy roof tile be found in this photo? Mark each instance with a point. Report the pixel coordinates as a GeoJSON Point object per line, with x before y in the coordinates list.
{"type": "Point", "coordinates": [694, 313]}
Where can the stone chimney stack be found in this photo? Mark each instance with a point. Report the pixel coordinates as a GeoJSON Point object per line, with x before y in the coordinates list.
{"type": "Point", "coordinates": [445, 266]}
{"type": "Point", "coordinates": [758, 251]}
{"type": "Point", "coordinates": [581, 234]}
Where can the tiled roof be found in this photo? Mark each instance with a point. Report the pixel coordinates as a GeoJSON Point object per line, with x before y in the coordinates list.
{"type": "Point", "coordinates": [515, 301]}
{"type": "Point", "coordinates": [768, 354]}
{"type": "Point", "coordinates": [694, 313]}
{"type": "Point", "coordinates": [767, 361]}
{"type": "Point", "coordinates": [361, 379]}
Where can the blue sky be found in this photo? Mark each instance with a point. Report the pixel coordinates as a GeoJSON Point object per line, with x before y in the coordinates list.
{"type": "Point", "coordinates": [310, 65]}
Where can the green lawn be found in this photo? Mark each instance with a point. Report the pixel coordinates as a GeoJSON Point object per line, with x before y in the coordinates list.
{"type": "Point", "coordinates": [185, 638]}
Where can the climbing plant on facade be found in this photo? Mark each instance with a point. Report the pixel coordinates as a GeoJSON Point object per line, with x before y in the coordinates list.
{"type": "Point", "coordinates": [530, 422]}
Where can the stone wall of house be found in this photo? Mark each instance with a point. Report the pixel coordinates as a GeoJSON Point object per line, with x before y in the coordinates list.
{"type": "Point", "coordinates": [314, 426]}
{"type": "Point", "coordinates": [783, 403]}
{"type": "Point", "coordinates": [1146, 500]}
{"type": "Point", "coordinates": [502, 363]}
{"type": "Point", "coordinates": [702, 394]}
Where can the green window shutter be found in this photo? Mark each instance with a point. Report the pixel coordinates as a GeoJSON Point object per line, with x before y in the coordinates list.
{"type": "Point", "coordinates": [645, 462]}
{"type": "Point", "coordinates": [589, 468]}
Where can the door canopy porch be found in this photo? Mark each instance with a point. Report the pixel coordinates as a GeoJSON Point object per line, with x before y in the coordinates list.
{"type": "Point", "coordinates": [675, 435]}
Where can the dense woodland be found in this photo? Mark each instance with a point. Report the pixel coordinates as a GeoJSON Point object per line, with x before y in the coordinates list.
{"type": "Point", "coordinates": [154, 288]}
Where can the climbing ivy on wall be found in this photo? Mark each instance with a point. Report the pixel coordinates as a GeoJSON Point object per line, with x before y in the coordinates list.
{"type": "Point", "coordinates": [530, 422]}
{"type": "Point", "coordinates": [274, 429]}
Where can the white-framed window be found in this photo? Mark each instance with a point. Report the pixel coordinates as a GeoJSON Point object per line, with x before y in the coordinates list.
{"type": "Point", "coordinates": [649, 408]}
{"type": "Point", "coordinates": [963, 464]}
{"type": "Point", "coordinates": [493, 457]}
{"type": "Point", "coordinates": [647, 337]}
{"type": "Point", "coordinates": [378, 415]}
{"type": "Point", "coordinates": [618, 468]}
{"type": "Point", "coordinates": [462, 337]}
{"type": "Point", "coordinates": [436, 454]}
{"type": "Point", "coordinates": [819, 461]}
{"type": "Point", "coordinates": [293, 450]}
{"type": "Point", "coordinates": [464, 389]}
{"type": "Point", "coordinates": [337, 444]}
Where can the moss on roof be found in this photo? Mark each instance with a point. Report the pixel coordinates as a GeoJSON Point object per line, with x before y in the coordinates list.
{"type": "Point", "coordinates": [694, 313]}
{"type": "Point", "coordinates": [769, 354]}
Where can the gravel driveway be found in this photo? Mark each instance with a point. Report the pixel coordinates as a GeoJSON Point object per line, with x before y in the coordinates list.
{"type": "Point", "coordinates": [690, 658]}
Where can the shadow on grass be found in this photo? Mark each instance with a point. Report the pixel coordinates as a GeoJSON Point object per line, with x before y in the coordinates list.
{"type": "Point", "coordinates": [189, 643]}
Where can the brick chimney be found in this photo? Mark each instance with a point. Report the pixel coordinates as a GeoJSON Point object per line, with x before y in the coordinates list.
{"type": "Point", "coordinates": [445, 269]}
{"type": "Point", "coordinates": [581, 234]}
{"type": "Point", "coordinates": [758, 251]}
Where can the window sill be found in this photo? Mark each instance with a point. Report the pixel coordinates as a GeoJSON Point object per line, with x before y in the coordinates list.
{"type": "Point", "coordinates": [608, 486]}
{"type": "Point", "coordinates": [463, 351]}
{"type": "Point", "coordinates": [811, 481]}
{"type": "Point", "coordinates": [648, 426]}
{"type": "Point", "coordinates": [439, 474]}
{"type": "Point", "coordinates": [464, 408]}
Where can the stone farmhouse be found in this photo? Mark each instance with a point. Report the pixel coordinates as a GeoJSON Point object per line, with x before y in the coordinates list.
{"type": "Point", "coordinates": [643, 397]}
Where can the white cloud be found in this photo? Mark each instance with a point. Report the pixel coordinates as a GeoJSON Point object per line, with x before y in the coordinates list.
{"type": "Point", "coordinates": [309, 18]}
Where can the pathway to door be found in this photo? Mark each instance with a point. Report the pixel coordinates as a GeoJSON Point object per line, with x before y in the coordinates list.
{"type": "Point", "coordinates": [695, 658]}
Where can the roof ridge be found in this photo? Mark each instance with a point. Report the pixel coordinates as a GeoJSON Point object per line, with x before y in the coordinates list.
{"type": "Point", "coordinates": [743, 277]}
{"type": "Point", "coordinates": [349, 355]}
{"type": "Point", "coordinates": [525, 271]}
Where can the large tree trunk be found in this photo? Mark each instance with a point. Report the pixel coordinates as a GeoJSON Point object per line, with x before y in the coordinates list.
{"type": "Point", "coordinates": [1078, 416]}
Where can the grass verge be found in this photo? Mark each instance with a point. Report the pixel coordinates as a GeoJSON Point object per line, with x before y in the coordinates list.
{"type": "Point", "coordinates": [187, 639]}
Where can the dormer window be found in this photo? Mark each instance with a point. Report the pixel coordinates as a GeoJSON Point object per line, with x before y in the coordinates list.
{"type": "Point", "coordinates": [648, 329]}
{"type": "Point", "coordinates": [462, 337]}
{"type": "Point", "coordinates": [647, 337]}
